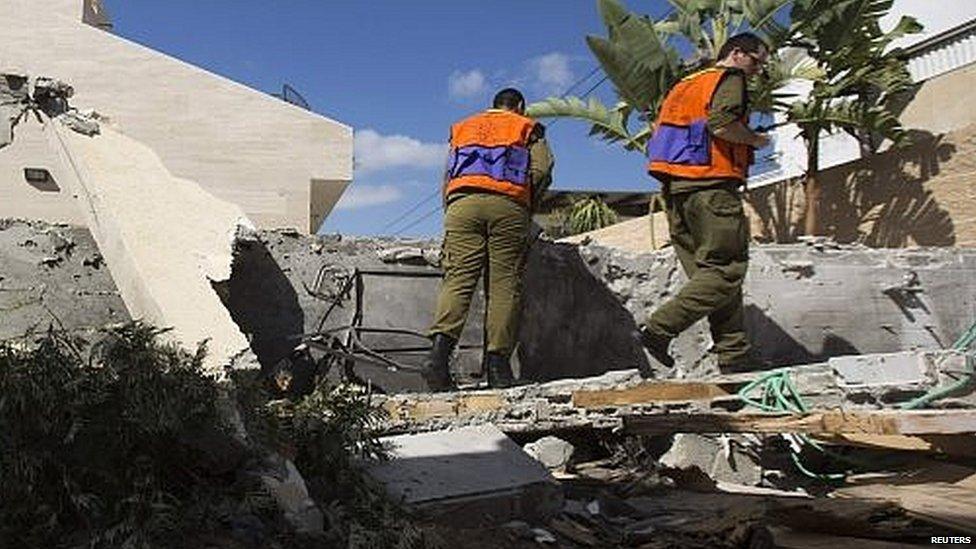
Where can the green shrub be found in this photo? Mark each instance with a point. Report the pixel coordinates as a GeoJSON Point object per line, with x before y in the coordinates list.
{"type": "Point", "coordinates": [124, 446]}
{"type": "Point", "coordinates": [589, 214]}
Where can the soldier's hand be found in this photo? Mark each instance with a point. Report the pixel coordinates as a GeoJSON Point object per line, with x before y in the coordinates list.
{"type": "Point", "coordinates": [760, 140]}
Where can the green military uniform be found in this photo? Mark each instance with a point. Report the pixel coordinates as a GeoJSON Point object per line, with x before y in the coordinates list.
{"type": "Point", "coordinates": [485, 229]}
{"type": "Point", "coordinates": [710, 234]}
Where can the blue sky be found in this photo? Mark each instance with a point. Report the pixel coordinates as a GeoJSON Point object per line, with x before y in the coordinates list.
{"type": "Point", "coordinates": [400, 72]}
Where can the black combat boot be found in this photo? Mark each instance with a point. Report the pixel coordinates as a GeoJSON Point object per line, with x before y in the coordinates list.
{"type": "Point", "coordinates": [437, 369]}
{"type": "Point", "coordinates": [499, 371]}
{"type": "Point", "coordinates": [657, 347]}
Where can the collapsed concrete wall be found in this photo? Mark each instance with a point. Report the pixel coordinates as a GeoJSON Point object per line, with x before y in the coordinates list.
{"type": "Point", "coordinates": [285, 284]}
{"type": "Point", "coordinates": [54, 275]}
{"type": "Point", "coordinates": [804, 303]}
{"type": "Point", "coordinates": [164, 238]}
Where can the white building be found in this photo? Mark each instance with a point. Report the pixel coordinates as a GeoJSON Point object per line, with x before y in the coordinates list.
{"type": "Point", "coordinates": [283, 165]}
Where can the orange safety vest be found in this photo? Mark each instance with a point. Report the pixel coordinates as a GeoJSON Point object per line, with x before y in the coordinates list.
{"type": "Point", "coordinates": [489, 151]}
{"type": "Point", "coordinates": [682, 147]}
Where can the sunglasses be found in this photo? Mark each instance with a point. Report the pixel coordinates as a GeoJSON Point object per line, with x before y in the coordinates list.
{"type": "Point", "coordinates": [757, 59]}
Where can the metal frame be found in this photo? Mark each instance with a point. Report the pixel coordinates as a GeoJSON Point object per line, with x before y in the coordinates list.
{"type": "Point", "coordinates": [344, 345]}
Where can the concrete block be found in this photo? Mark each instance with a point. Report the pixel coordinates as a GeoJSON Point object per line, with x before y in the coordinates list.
{"type": "Point", "coordinates": [720, 458]}
{"type": "Point", "coordinates": [553, 452]}
{"type": "Point", "coordinates": [473, 475]}
{"type": "Point", "coordinates": [906, 368]}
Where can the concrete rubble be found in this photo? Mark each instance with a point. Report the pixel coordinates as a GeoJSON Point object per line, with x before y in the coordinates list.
{"type": "Point", "coordinates": [282, 284]}
{"type": "Point", "coordinates": [553, 452]}
{"type": "Point", "coordinates": [472, 475]}
{"type": "Point", "coordinates": [861, 330]}
{"type": "Point", "coordinates": [164, 260]}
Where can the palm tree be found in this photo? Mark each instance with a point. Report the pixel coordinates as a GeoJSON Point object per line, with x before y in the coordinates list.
{"type": "Point", "coordinates": [859, 81]}
{"type": "Point", "coordinates": [640, 57]}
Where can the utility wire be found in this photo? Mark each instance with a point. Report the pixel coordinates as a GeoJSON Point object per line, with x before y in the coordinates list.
{"type": "Point", "coordinates": [415, 222]}
{"type": "Point", "coordinates": [412, 209]}
{"type": "Point", "coordinates": [437, 191]}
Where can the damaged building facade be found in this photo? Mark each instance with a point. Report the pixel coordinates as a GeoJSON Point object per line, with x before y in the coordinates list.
{"type": "Point", "coordinates": [283, 165]}
{"type": "Point", "coordinates": [860, 329]}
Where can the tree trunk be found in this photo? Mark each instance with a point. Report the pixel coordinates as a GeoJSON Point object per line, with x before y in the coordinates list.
{"type": "Point", "coordinates": [811, 189]}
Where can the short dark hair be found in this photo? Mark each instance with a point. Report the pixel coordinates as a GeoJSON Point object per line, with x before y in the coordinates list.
{"type": "Point", "coordinates": [509, 98]}
{"type": "Point", "coordinates": [746, 41]}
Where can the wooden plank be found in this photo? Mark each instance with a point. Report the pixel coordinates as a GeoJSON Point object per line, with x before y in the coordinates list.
{"type": "Point", "coordinates": [453, 406]}
{"type": "Point", "coordinates": [881, 422]}
{"type": "Point", "coordinates": [648, 393]}
{"type": "Point", "coordinates": [949, 505]}
{"type": "Point", "coordinates": [953, 445]}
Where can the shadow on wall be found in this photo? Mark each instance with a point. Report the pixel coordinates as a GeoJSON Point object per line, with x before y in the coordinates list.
{"type": "Point", "coordinates": [262, 302]}
{"type": "Point", "coordinates": [881, 201]}
{"type": "Point", "coordinates": [771, 343]}
{"type": "Point", "coordinates": [580, 329]}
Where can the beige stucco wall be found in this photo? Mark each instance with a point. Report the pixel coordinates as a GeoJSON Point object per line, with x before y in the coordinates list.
{"type": "Point", "coordinates": [284, 166]}
{"type": "Point", "coordinates": [943, 103]}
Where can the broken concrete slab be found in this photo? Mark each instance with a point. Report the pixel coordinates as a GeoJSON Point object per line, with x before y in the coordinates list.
{"type": "Point", "coordinates": [600, 402]}
{"type": "Point", "coordinates": [553, 452]}
{"type": "Point", "coordinates": [165, 239]}
{"type": "Point", "coordinates": [473, 475]}
{"type": "Point", "coordinates": [720, 458]}
{"type": "Point", "coordinates": [300, 278]}
{"type": "Point", "coordinates": [804, 304]}
{"type": "Point", "coordinates": [861, 371]}
{"type": "Point", "coordinates": [54, 275]}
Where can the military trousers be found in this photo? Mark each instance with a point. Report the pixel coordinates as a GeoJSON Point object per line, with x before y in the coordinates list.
{"type": "Point", "coordinates": [710, 234]}
{"type": "Point", "coordinates": [484, 233]}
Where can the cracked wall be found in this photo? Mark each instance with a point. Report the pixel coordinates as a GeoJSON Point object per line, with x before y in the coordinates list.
{"type": "Point", "coordinates": [54, 275]}
{"type": "Point", "coordinates": [804, 303]}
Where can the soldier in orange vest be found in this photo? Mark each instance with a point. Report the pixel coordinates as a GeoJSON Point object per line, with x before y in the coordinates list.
{"type": "Point", "coordinates": [499, 167]}
{"type": "Point", "coordinates": [700, 152]}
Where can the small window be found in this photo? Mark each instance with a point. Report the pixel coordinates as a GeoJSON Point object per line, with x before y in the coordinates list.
{"type": "Point", "coordinates": [41, 179]}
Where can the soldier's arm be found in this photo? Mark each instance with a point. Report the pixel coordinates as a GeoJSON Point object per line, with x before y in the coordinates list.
{"type": "Point", "coordinates": [541, 162]}
{"type": "Point", "coordinates": [729, 105]}
{"type": "Point", "coordinates": [447, 173]}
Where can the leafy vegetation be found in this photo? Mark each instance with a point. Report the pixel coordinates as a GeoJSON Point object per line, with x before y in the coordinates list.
{"type": "Point", "coordinates": [125, 445]}
{"type": "Point", "coordinates": [589, 214]}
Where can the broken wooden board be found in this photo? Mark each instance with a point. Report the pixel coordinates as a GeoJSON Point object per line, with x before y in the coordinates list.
{"type": "Point", "coordinates": [952, 445]}
{"type": "Point", "coordinates": [949, 505]}
{"type": "Point", "coordinates": [879, 422]}
{"type": "Point", "coordinates": [848, 517]}
{"type": "Point", "coordinates": [649, 392]}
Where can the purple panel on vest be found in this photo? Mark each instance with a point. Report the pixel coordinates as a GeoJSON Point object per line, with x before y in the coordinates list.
{"type": "Point", "coordinates": [681, 144]}
{"type": "Point", "coordinates": [502, 163]}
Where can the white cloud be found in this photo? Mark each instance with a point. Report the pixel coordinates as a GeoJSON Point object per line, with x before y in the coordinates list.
{"type": "Point", "coordinates": [551, 72]}
{"type": "Point", "coordinates": [375, 152]}
{"type": "Point", "coordinates": [461, 85]}
{"type": "Point", "coordinates": [364, 196]}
